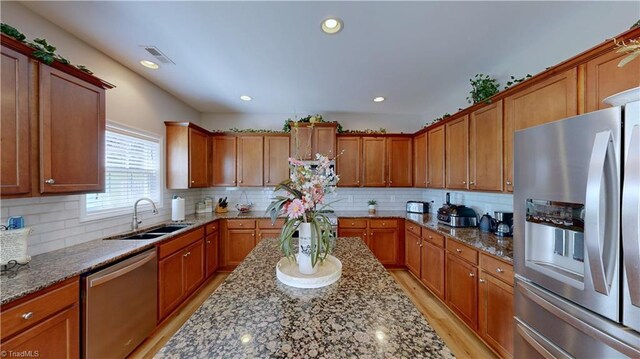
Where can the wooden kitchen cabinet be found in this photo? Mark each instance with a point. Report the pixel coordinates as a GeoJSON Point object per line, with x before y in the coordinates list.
{"type": "Point", "coordinates": [15, 134]}
{"type": "Point", "coordinates": [239, 242]}
{"type": "Point", "coordinates": [550, 100]}
{"type": "Point", "coordinates": [420, 160]}
{"type": "Point", "coordinates": [223, 149]}
{"type": "Point", "coordinates": [276, 159]}
{"type": "Point", "coordinates": [212, 244]}
{"type": "Point", "coordinates": [496, 314]}
{"type": "Point", "coordinates": [413, 246]}
{"type": "Point", "coordinates": [324, 140]}
{"type": "Point", "coordinates": [348, 161]}
{"type": "Point", "coordinates": [604, 78]}
{"type": "Point", "coordinates": [250, 161]}
{"type": "Point", "coordinates": [194, 269]}
{"type": "Point", "coordinates": [433, 263]}
{"type": "Point", "coordinates": [267, 229]}
{"type": "Point", "coordinates": [400, 161]}
{"type": "Point", "coordinates": [171, 286]}
{"type": "Point", "coordinates": [436, 157]}
{"type": "Point", "coordinates": [457, 153]}
{"type": "Point", "coordinates": [301, 138]}
{"type": "Point", "coordinates": [462, 289]}
{"type": "Point", "coordinates": [374, 162]}
{"type": "Point", "coordinates": [485, 148]}
{"type": "Point", "coordinates": [384, 240]}
{"type": "Point", "coordinates": [187, 155]}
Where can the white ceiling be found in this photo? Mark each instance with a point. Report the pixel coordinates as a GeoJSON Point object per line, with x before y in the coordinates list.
{"type": "Point", "coordinates": [413, 53]}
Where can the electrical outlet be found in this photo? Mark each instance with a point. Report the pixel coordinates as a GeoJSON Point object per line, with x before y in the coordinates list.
{"type": "Point", "coordinates": [393, 198]}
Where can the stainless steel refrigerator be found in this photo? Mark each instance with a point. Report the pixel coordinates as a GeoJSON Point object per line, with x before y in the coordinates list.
{"type": "Point", "coordinates": [576, 235]}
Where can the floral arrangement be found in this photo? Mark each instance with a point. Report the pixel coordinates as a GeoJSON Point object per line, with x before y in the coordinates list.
{"type": "Point", "coordinates": [305, 202]}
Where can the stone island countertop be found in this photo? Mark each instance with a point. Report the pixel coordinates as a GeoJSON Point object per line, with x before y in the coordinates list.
{"type": "Point", "coordinates": [252, 315]}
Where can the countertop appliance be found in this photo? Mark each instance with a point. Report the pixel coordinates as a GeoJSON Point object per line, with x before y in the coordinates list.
{"type": "Point", "coordinates": [119, 306]}
{"type": "Point", "coordinates": [577, 250]}
{"type": "Point", "coordinates": [504, 224]}
{"type": "Point", "coordinates": [417, 207]}
{"type": "Point", "coordinates": [457, 216]}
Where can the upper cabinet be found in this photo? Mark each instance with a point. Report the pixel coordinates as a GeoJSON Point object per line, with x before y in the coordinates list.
{"type": "Point", "coordinates": [435, 157]}
{"type": "Point", "coordinates": [307, 139]}
{"type": "Point", "coordinates": [223, 153]}
{"type": "Point", "coordinates": [276, 159]}
{"type": "Point", "coordinates": [250, 161]}
{"type": "Point", "coordinates": [53, 126]}
{"type": "Point", "coordinates": [604, 78]}
{"type": "Point", "coordinates": [187, 156]}
{"type": "Point", "coordinates": [400, 161]}
{"type": "Point", "coordinates": [457, 153]}
{"type": "Point", "coordinates": [348, 161]}
{"type": "Point", "coordinates": [485, 148]}
{"type": "Point", "coordinates": [420, 160]}
{"type": "Point", "coordinates": [374, 162]}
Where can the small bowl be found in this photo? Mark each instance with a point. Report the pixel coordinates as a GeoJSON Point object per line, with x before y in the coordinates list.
{"type": "Point", "coordinates": [244, 207]}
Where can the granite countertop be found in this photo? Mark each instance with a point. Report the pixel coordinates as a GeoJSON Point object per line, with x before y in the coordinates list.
{"type": "Point", "coordinates": [252, 315]}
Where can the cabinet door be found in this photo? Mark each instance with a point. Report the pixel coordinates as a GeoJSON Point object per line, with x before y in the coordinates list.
{"type": "Point", "coordinates": [198, 159]}
{"type": "Point", "coordinates": [400, 161]}
{"type": "Point", "coordinates": [485, 148]}
{"type": "Point", "coordinates": [267, 233]}
{"type": "Point", "coordinates": [72, 122]}
{"type": "Point", "coordinates": [384, 245]}
{"type": "Point", "coordinates": [355, 232]}
{"type": "Point", "coordinates": [374, 162]}
{"type": "Point", "coordinates": [604, 78]}
{"type": "Point", "coordinates": [250, 157]}
{"type": "Point", "coordinates": [224, 160]}
{"type": "Point", "coordinates": [432, 273]}
{"type": "Point", "coordinates": [412, 252]}
{"type": "Point", "coordinates": [301, 147]}
{"type": "Point", "coordinates": [550, 100]}
{"type": "Point", "coordinates": [276, 159]}
{"type": "Point", "coordinates": [348, 161]}
{"type": "Point", "coordinates": [211, 256]}
{"type": "Point", "coordinates": [457, 153]}
{"type": "Point", "coordinates": [496, 314]}
{"type": "Point", "coordinates": [14, 124]}
{"type": "Point", "coordinates": [171, 285]}
{"type": "Point", "coordinates": [238, 243]}
{"type": "Point", "coordinates": [420, 161]}
{"type": "Point", "coordinates": [435, 158]}
{"type": "Point", "coordinates": [324, 141]}
{"type": "Point", "coordinates": [462, 289]}
{"type": "Point", "coordinates": [55, 337]}
{"type": "Point", "coordinates": [194, 269]}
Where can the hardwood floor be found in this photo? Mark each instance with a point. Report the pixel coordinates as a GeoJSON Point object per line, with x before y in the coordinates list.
{"type": "Point", "coordinates": [162, 335]}
{"type": "Point", "coordinates": [462, 341]}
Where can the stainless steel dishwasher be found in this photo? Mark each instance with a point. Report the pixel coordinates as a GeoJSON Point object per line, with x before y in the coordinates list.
{"type": "Point", "coordinates": [119, 306]}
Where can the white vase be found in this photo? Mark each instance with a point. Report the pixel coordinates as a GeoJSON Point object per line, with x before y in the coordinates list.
{"type": "Point", "coordinates": [372, 208]}
{"type": "Point", "coordinates": [304, 252]}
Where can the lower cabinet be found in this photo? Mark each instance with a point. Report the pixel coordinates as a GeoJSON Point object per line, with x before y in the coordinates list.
{"type": "Point", "coordinates": [496, 314]}
{"type": "Point", "coordinates": [462, 289]}
{"type": "Point", "coordinates": [238, 243]}
{"type": "Point", "coordinates": [240, 236]}
{"type": "Point", "coordinates": [432, 271]}
{"type": "Point", "coordinates": [413, 251]}
{"type": "Point", "coordinates": [267, 229]}
{"type": "Point", "coordinates": [383, 236]}
{"type": "Point", "coordinates": [211, 244]}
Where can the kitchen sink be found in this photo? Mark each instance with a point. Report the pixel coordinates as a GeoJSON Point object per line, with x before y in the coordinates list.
{"type": "Point", "coordinates": [169, 228]}
{"type": "Point", "coordinates": [151, 233]}
{"type": "Point", "coordinates": [142, 236]}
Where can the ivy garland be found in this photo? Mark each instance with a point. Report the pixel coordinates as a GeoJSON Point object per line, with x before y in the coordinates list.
{"type": "Point", "coordinates": [483, 88]}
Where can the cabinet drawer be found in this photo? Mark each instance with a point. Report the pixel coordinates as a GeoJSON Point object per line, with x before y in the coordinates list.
{"type": "Point", "coordinates": [352, 223]}
{"type": "Point", "coordinates": [241, 223]}
{"type": "Point", "coordinates": [211, 228]}
{"type": "Point", "coordinates": [383, 223]}
{"type": "Point", "coordinates": [266, 223]}
{"type": "Point", "coordinates": [462, 251]}
{"type": "Point", "coordinates": [176, 244]}
{"type": "Point", "coordinates": [35, 310]}
{"type": "Point", "coordinates": [413, 228]}
{"type": "Point", "coordinates": [497, 268]}
{"type": "Point", "coordinates": [433, 237]}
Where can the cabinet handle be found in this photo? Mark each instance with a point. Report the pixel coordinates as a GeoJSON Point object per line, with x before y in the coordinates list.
{"type": "Point", "coordinates": [50, 181]}
{"type": "Point", "coordinates": [411, 227]}
{"type": "Point", "coordinates": [234, 182]}
{"type": "Point", "coordinates": [240, 181]}
{"type": "Point", "coordinates": [241, 224]}
{"type": "Point", "coordinates": [418, 242]}
{"type": "Point", "coordinates": [384, 224]}
{"type": "Point", "coordinates": [458, 250]}
{"type": "Point", "coordinates": [430, 237]}
{"type": "Point", "coordinates": [472, 275]}
{"type": "Point", "coordinates": [464, 182]}
{"type": "Point", "coordinates": [472, 183]}
{"type": "Point", "coordinates": [508, 183]}
{"type": "Point", "coordinates": [482, 280]}
{"type": "Point", "coordinates": [390, 181]}
{"type": "Point", "coordinates": [499, 270]}
{"type": "Point", "coordinates": [193, 181]}
{"type": "Point", "coordinates": [357, 182]}
{"type": "Point", "coordinates": [425, 182]}
{"type": "Point", "coordinates": [208, 242]}
{"type": "Point", "coordinates": [186, 254]}
{"type": "Point", "coordinates": [253, 234]}
{"type": "Point", "coordinates": [352, 223]}
{"type": "Point", "coordinates": [27, 316]}
{"type": "Point", "coordinates": [372, 234]}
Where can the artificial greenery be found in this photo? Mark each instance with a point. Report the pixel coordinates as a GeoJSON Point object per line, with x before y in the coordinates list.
{"type": "Point", "coordinates": [372, 202]}
{"type": "Point", "coordinates": [366, 132]}
{"type": "Point", "coordinates": [43, 51]}
{"type": "Point", "coordinates": [251, 130]}
{"type": "Point", "coordinates": [483, 87]}
{"type": "Point", "coordinates": [12, 31]}
{"type": "Point", "coordinates": [515, 81]}
{"type": "Point", "coordinates": [632, 48]}
{"type": "Point", "coordinates": [637, 24]}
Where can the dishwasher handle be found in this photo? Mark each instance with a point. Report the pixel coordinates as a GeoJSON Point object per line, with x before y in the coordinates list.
{"type": "Point", "coordinates": [122, 271]}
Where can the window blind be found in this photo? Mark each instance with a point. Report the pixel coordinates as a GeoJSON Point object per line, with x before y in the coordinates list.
{"type": "Point", "coordinates": [132, 170]}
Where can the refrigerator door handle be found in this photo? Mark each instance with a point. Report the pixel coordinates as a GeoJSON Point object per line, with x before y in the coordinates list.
{"type": "Point", "coordinates": [545, 348]}
{"type": "Point", "coordinates": [594, 219]}
{"type": "Point", "coordinates": [631, 215]}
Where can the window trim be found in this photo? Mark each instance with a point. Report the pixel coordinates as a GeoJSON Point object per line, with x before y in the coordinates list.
{"type": "Point", "coordinates": [144, 206]}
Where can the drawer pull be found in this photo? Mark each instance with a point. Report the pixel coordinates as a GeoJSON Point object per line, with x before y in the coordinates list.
{"type": "Point", "coordinates": [500, 270]}
{"type": "Point", "coordinates": [472, 274]}
{"type": "Point", "coordinates": [352, 223]}
{"type": "Point", "coordinates": [27, 316]}
{"type": "Point", "coordinates": [430, 237]}
{"type": "Point", "coordinates": [208, 242]}
{"type": "Point", "coordinates": [508, 183]}
{"type": "Point", "coordinates": [458, 250]}
{"type": "Point", "coordinates": [482, 280]}
{"type": "Point", "coordinates": [411, 228]}
{"type": "Point", "coordinates": [50, 181]}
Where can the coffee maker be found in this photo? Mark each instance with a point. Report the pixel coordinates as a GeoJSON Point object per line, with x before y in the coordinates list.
{"type": "Point", "coordinates": [504, 224]}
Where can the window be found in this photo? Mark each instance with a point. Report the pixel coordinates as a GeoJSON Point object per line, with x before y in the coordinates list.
{"type": "Point", "coordinates": [132, 170]}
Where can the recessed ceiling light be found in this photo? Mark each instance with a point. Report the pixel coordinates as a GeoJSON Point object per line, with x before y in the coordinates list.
{"type": "Point", "coordinates": [246, 98]}
{"type": "Point", "coordinates": [332, 25]}
{"type": "Point", "coordinates": [378, 99]}
{"type": "Point", "coordinates": [149, 64]}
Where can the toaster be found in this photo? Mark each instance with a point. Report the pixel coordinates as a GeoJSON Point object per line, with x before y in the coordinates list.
{"type": "Point", "coordinates": [457, 216]}
{"type": "Point", "coordinates": [417, 207]}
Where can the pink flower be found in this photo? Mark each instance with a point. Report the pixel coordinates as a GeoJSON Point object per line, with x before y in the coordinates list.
{"type": "Point", "coordinates": [295, 162]}
{"type": "Point", "coordinates": [295, 209]}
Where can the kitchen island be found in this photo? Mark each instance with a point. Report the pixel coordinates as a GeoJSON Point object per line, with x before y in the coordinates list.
{"type": "Point", "coordinates": [252, 315]}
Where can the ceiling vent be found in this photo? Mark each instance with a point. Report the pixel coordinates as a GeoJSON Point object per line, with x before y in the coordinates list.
{"type": "Point", "coordinates": [155, 52]}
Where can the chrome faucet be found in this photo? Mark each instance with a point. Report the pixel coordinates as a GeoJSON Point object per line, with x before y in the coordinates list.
{"type": "Point", "coordinates": [136, 222]}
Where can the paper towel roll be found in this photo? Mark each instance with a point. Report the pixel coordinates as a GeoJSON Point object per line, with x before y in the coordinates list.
{"type": "Point", "coordinates": [177, 209]}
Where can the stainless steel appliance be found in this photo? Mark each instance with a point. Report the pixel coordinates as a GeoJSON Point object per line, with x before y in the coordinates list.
{"type": "Point", "coordinates": [576, 207]}
{"type": "Point", "coordinates": [504, 224]}
{"type": "Point", "coordinates": [417, 207]}
{"type": "Point", "coordinates": [457, 216]}
{"type": "Point", "coordinates": [119, 306]}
